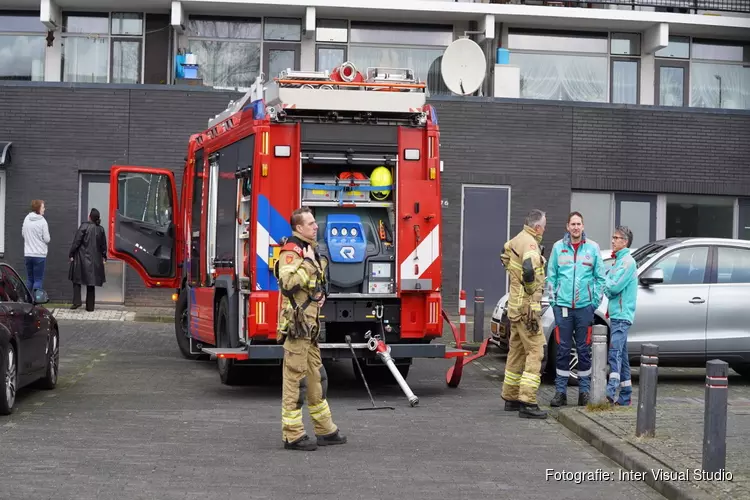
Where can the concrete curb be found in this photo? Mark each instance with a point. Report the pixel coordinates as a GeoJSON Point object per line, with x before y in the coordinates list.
{"type": "Point", "coordinates": [628, 456]}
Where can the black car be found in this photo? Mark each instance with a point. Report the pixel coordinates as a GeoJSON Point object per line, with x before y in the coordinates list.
{"type": "Point", "coordinates": [29, 339]}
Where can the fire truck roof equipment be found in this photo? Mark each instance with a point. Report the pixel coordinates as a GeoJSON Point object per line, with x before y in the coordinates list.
{"type": "Point", "coordinates": [389, 91]}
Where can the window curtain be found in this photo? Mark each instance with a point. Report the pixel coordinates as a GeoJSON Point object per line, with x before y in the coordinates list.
{"type": "Point", "coordinates": [85, 59]}
{"type": "Point", "coordinates": [425, 62]}
{"type": "Point", "coordinates": [227, 65]}
{"type": "Point", "coordinates": [625, 82]}
{"type": "Point", "coordinates": [562, 77]}
{"type": "Point", "coordinates": [720, 86]}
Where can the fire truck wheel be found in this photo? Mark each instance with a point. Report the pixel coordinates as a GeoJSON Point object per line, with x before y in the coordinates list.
{"type": "Point", "coordinates": [229, 372]}
{"type": "Point", "coordinates": [180, 326]}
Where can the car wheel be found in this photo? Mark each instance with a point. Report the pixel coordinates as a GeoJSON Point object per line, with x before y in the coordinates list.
{"type": "Point", "coordinates": [9, 371]}
{"type": "Point", "coordinates": [49, 381]}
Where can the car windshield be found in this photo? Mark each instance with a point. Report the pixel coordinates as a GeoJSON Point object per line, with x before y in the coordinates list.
{"type": "Point", "coordinates": [642, 255]}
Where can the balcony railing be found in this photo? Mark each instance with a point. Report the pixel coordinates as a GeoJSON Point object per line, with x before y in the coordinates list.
{"type": "Point", "coordinates": [685, 6]}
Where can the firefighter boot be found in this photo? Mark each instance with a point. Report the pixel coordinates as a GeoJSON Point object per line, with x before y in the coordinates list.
{"type": "Point", "coordinates": [560, 399]}
{"type": "Point", "coordinates": [335, 438]}
{"type": "Point", "coordinates": [512, 406]}
{"type": "Point", "coordinates": [303, 444]}
{"type": "Point", "coordinates": [531, 411]}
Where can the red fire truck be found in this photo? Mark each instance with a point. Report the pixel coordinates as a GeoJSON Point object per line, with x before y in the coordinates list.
{"type": "Point", "coordinates": [304, 139]}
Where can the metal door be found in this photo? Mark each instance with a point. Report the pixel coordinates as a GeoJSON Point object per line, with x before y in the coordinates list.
{"type": "Point", "coordinates": [280, 56]}
{"type": "Point", "coordinates": [485, 227]}
{"type": "Point", "coordinates": [94, 193]}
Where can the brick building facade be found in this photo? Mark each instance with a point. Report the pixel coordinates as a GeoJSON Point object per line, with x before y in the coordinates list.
{"type": "Point", "coordinates": [543, 150]}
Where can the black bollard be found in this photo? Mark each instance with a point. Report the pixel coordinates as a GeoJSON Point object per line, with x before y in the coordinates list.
{"type": "Point", "coordinates": [715, 416]}
{"type": "Point", "coordinates": [478, 315]}
{"type": "Point", "coordinates": [647, 381]}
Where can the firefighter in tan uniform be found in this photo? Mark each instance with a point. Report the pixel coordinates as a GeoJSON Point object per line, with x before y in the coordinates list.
{"type": "Point", "coordinates": [523, 260]}
{"type": "Point", "coordinates": [301, 278]}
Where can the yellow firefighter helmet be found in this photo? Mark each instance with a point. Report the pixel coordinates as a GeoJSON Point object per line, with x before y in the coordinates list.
{"type": "Point", "coordinates": [381, 176]}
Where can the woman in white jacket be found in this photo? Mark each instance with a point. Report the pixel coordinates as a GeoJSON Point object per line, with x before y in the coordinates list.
{"type": "Point", "coordinates": [35, 232]}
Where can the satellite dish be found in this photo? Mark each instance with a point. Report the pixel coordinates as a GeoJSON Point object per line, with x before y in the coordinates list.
{"type": "Point", "coordinates": [463, 67]}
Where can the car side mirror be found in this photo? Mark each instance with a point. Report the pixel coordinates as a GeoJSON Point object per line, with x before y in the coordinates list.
{"type": "Point", "coordinates": [652, 277]}
{"type": "Point", "coordinates": [40, 296]}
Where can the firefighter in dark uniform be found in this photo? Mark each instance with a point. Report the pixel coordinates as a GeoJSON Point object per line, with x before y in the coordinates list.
{"type": "Point", "coordinates": [523, 260]}
{"type": "Point", "coordinates": [301, 278]}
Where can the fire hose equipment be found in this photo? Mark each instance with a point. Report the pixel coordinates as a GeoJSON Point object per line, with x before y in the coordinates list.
{"type": "Point", "coordinates": [354, 355]}
{"type": "Point", "coordinates": [384, 353]}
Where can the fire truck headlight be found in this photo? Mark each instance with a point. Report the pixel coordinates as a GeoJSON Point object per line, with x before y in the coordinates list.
{"type": "Point", "coordinates": [411, 154]}
{"type": "Point", "coordinates": [282, 151]}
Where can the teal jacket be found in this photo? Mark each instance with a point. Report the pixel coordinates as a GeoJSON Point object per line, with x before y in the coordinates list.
{"type": "Point", "coordinates": [621, 286]}
{"type": "Point", "coordinates": [575, 279]}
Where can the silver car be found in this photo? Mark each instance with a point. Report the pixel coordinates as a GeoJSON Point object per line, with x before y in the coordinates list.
{"type": "Point", "coordinates": [692, 302]}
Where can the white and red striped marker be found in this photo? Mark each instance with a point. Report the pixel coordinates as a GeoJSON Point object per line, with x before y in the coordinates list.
{"type": "Point", "coordinates": [462, 316]}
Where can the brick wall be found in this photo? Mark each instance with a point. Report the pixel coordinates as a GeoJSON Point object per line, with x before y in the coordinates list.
{"type": "Point", "coordinates": [59, 132]}
{"type": "Point", "coordinates": [542, 150]}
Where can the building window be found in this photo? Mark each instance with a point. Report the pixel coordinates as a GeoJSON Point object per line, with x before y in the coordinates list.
{"type": "Point", "coordinates": [332, 30]}
{"type": "Point", "coordinates": [720, 74]}
{"type": "Point", "coordinates": [679, 215]}
{"type": "Point", "coordinates": [394, 45]}
{"type": "Point", "coordinates": [703, 73]}
{"type": "Point", "coordinates": [231, 52]}
{"type": "Point", "coordinates": [281, 45]}
{"type": "Point", "coordinates": [577, 66]}
{"type": "Point", "coordinates": [705, 216]}
{"type": "Point", "coordinates": [625, 51]}
{"type": "Point", "coordinates": [103, 48]}
{"type": "Point", "coordinates": [596, 209]}
{"type": "Point", "coordinates": [22, 47]}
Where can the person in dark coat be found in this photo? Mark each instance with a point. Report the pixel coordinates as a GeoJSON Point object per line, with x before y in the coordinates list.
{"type": "Point", "coordinates": [88, 254]}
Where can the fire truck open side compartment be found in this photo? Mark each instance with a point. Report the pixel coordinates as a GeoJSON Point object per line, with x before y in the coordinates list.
{"type": "Point", "coordinates": [362, 151]}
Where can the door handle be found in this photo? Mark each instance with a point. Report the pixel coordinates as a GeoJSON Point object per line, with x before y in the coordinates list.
{"type": "Point", "coordinates": [696, 300]}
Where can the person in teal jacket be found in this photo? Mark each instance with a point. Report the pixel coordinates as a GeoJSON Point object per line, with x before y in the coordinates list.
{"type": "Point", "coordinates": [621, 289]}
{"type": "Point", "coordinates": [575, 279]}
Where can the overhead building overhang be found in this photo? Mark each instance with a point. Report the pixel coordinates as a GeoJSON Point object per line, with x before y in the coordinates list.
{"type": "Point", "coordinates": [5, 153]}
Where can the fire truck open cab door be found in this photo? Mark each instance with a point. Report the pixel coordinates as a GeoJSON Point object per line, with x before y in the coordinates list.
{"type": "Point", "coordinates": [143, 223]}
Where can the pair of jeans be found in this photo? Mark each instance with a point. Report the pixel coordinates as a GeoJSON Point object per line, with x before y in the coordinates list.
{"type": "Point", "coordinates": [575, 324]}
{"type": "Point", "coordinates": [35, 272]}
{"type": "Point", "coordinates": [619, 363]}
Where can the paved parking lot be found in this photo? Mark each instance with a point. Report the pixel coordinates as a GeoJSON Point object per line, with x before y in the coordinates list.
{"type": "Point", "coordinates": [131, 419]}
{"type": "Point", "coordinates": [678, 444]}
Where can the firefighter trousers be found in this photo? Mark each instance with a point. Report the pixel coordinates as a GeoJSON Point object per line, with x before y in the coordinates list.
{"type": "Point", "coordinates": [524, 363]}
{"type": "Point", "coordinates": [304, 377]}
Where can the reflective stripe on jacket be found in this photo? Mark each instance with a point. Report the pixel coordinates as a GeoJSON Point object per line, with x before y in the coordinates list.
{"type": "Point", "coordinates": [524, 263]}
{"type": "Point", "coordinates": [575, 278]}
